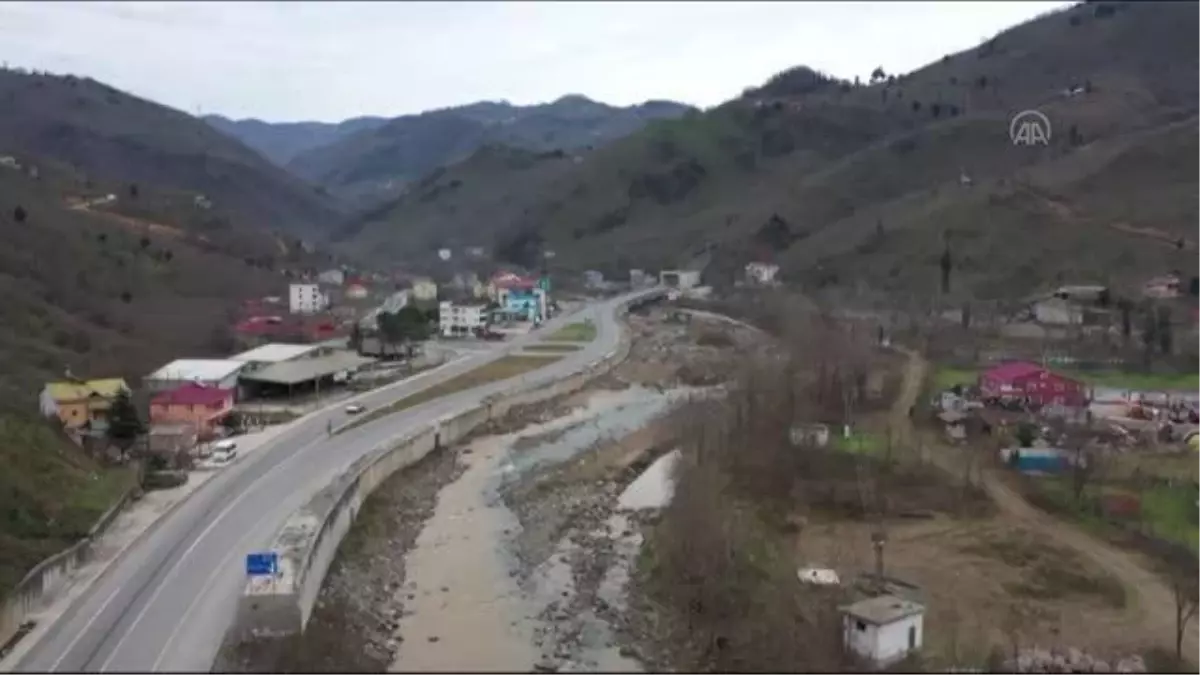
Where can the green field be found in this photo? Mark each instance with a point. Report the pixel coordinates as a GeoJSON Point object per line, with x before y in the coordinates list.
{"type": "Point", "coordinates": [1167, 512]}
{"type": "Point", "coordinates": [859, 443]}
{"type": "Point", "coordinates": [584, 331]}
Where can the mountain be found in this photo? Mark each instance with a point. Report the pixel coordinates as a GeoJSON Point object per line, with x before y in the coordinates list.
{"type": "Point", "coordinates": [378, 161]}
{"type": "Point", "coordinates": [280, 142]}
{"type": "Point", "coordinates": [846, 184]}
{"type": "Point", "coordinates": [105, 132]}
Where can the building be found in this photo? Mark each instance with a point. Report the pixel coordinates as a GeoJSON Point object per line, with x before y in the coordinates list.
{"type": "Point", "coordinates": [761, 274]}
{"type": "Point", "coordinates": [681, 279]}
{"type": "Point", "coordinates": [424, 290]}
{"type": "Point", "coordinates": [80, 402]}
{"type": "Point", "coordinates": [1056, 311]}
{"type": "Point", "coordinates": [593, 279]}
{"type": "Point", "coordinates": [1164, 287]}
{"type": "Point", "coordinates": [217, 373]}
{"type": "Point", "coordinates": [637, 278]}
{"type": "Point", "coordinates": [276, 352]}
{"type": "Point", "coordinates": [306, 299]}
{"type": "Point", "coordinates": [196, 405]}
{"type": "Point", "coordinates": [1033, 383]}
{"type": "Point", "coordinates": [333, 277]}
{"type": "Point", "coordinates": [525, 301]}
{"type": "Point", "coordinates": [883, 630]}
{"type": "Point", "coordinates": [460, 320]}
{"type": "Point", "coordinates": [355, 290]}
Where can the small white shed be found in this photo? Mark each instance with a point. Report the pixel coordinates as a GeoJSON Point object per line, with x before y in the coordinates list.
{"type": "Point", "coordinates": [883, 629]}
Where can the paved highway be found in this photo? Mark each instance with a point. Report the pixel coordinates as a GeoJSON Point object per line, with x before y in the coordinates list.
{"type": "Point", "coordinates": [166, 602]}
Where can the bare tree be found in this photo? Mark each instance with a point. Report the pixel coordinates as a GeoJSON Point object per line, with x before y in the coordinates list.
{"type": "Point", "coordinates": [1184, 588]}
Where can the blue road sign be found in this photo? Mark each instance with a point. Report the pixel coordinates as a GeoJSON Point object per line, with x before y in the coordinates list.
{"type": "Point", "coordinates": [262, 564]}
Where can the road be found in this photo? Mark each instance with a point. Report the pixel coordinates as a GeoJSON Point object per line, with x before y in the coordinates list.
{"type": "Point", "coordinates": [165, 603]}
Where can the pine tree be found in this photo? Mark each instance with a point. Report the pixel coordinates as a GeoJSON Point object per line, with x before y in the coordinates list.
{"type": "Point", "coordinates": [124, 423]}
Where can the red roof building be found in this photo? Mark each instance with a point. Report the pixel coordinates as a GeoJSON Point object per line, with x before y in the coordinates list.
{"type": "Point", "coordinates": [195, 404]}
{"type": "Point", "coordinates": [1029, 381]}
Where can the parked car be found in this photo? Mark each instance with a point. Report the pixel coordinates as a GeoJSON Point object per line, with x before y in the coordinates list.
{"type": "Point", "coordinates": [225, 445]}
{"type": "Point", "coordinates": [355, 408]}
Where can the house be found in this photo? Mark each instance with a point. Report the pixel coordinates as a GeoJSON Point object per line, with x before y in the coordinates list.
{"type": "Point", "coordinates": [761, 274]}
{"type": "Point", "coordinates": [593, 279]}
{"type": "Point", "coordinates": [682, 279]}
{"type": "Point", "coordinates": [810, 434]}
{"type": "Point", "coordinates": [1057, 311]}
{"type": "Point", "coordinates": [194, 404]}
{"type": "Point", "coordinates": [80, 402]}
{"type": "Point", "coordinates": [1164, 287]}
{"type": "Point", "coordinates": [1033, 383]}
{"type": "Point", "coordinates": [460, 320]}
{"type": "Point", "coordinates": [172, 440]}
{"type": "Point", "coordinates": [355, 290]}
{"type": "Point", "coordinates": [424, 289]}
{"type": "Point", "coordinates": [201, 202]}
{"type": "Point", "coordinates": [218, 373]}
{"type": "Point", "coordinates": [306, 298]}
{"type": "Point", "coordinates": [883, 630]}
{"type": "Point", "coordinates": [333, 277]}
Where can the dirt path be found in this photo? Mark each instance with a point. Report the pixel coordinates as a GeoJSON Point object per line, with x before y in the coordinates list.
{"type": "Point", "coordinates": [131, 223]}
{"type": "Point", "coordinates": [1146, 593]}
{"type": "Point", "coordinates": [1068, 214]}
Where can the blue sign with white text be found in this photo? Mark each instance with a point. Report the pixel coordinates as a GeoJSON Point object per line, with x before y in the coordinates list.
{"type": "Point", "coordinates": [262, 564]}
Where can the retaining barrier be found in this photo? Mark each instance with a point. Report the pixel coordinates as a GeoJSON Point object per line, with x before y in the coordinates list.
{"type": "Point", "coordinates": [48, 576]}
{"type": "Point", "coordinates": [308, 541]}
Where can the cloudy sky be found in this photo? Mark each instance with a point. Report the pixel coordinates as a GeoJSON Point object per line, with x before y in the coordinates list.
{"type": "Point", "coordinates": [283, 61]}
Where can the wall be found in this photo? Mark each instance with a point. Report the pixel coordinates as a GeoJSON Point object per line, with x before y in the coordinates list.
{"type": "Point", "coordinates": [42, 582]}
{"type": "Point", "coordinates": [308, 541]}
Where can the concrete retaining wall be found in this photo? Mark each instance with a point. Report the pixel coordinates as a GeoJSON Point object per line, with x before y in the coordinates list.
{"type": "Point", "coordinates": [43, 582]}
{"type": "Point", "coordinates": [309, 540]}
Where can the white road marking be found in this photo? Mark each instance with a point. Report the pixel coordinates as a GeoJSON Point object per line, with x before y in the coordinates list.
{"type": "Point", "coordinates": [186, 554]}
{"type": "Point", "coordinates": [86, 627]}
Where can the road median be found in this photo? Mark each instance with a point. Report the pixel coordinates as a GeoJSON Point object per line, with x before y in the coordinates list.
{"type": "Point", "coordinates": [280, 605]}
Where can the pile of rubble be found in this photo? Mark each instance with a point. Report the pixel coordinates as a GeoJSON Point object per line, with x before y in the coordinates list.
{"type": "Point", "coordinates": [1072, 660]}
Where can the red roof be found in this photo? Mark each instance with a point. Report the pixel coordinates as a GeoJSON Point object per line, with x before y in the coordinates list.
{"type": "Point", "coordinates": [193, 394]}
{"type": "Point", "coordinates": [1013, 370]}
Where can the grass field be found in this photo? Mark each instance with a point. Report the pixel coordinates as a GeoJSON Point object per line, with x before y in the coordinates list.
{"type": "Point", "coordinates": [584, 331]}
{"type": "Point", "coordinates": [859, 443]}
{"type": "Point", "coordinates": [502, 369]}
{"type": "Point", "coordinates": [552, 348]}
{"type": "Point", "coordinates": [51, 494]}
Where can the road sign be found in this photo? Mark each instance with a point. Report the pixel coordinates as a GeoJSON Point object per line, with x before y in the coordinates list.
{"type": "Point", "coordinates": [262, 564]}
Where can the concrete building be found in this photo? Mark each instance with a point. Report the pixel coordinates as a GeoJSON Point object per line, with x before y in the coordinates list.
{"type": "Point", "coordinates": [460, 320]}
{"type": "Point", "coordinates": [883, 630]}
{"type": "Point", "coordinates": [525, 302]}
{"type": "Point", "coordinates": [78, 402]}
{"type": "Point", "coordinates": [306, 299]}
{"type": "Point", "coordinates": [198, 406]}
{"type": "Point", "coordinates": [218, 373]}
{"type": "Point", "coordinates": [681, 279]}
{"type": "Point", "coordinates": [424, 290]}
{"type": "Point", "coordinates": [333, 277]}
{"type": "Point", "coordinates": [762, 274]}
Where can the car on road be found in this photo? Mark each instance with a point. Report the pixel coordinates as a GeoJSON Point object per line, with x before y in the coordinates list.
{"type": "Point", "coordinates": [355, 408]}
{"type": "Point", "coordinates": [225, 445]}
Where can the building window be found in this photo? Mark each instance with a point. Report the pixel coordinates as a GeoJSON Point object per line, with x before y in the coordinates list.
{"type": "Point", "coordinates": [861, 626]}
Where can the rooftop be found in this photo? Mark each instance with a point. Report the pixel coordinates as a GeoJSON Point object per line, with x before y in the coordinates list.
{"type": "Point", "coordinates": [274, 352]}
{"type": "Point", "coordinates": [1012, 370]}
{"type": "Point", "coordinates": [294, 372]}
{"type": "Point", "coordinates": [197, 369]}
{"type": "Point", "coordinates": [883, 609]}
{"type": "Point", "coordinates": [74, 391]}
{"type": "Point", "coordinates": [193, 394]}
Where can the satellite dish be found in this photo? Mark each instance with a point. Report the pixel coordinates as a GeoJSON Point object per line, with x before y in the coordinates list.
{"type": "Point", "coordinates": [444, 253]}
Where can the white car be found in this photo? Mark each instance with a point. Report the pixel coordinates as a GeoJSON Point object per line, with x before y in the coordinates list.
{"type": "Point", "coordinates": [355, 408]}
{"type": "Point", "coordinates": [225, 446]}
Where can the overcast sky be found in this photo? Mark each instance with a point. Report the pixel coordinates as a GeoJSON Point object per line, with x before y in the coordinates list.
{"type": "Point", "coordinates": [328, 61]}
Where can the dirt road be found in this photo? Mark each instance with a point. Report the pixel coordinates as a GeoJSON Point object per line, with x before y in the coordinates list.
{"type": "Point", "coordinates": [1146, 593]}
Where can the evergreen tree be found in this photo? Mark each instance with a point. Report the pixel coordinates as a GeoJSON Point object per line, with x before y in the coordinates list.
{"type": "Point", "coordinates": [124, 423]}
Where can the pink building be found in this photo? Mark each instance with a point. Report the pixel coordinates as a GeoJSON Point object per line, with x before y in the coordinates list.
{"type": "Point", "coordinates": [204, 407]}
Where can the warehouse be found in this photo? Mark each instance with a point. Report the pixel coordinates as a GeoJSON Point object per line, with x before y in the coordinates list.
{"type": "Point", "coordinates": [219, 373]}
{"type": "Point", "coordinates": [309, 374]}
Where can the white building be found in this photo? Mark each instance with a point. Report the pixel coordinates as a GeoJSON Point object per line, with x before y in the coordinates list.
{"type": "Point", "coordinates": [762, 274]}
{"type": "Point", "coordinates": [219, 373]}
{"type": "Point", "coordinates": [424, 290]}
{"type": "Point", "coordinates": [278, 352]}
{"type": "Point", "coordinates": [460, 320]}
{"type": "Point", "coordinates": [333, 277]}
{"type": "Point", "coordinates": [681, 279]}
{"type": "Point", "coordinates": [306, 299]}
{"type": "Point", "coordinates": [884, 629]}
